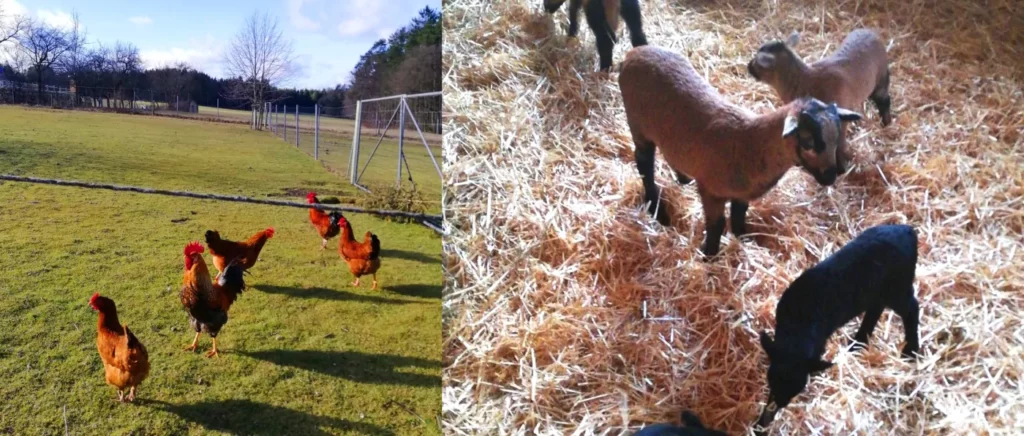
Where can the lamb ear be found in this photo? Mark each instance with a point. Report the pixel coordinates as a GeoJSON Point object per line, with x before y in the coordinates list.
{"type": "Point", "coordinates": [793, 39]}
{"type": "Point", "coordinates": [848, 115]}
{"type": "Point", "coordinates": [790, 127]}
{"type": "Point", "coordinates": [767, 343]}
{"type": "Point", "coordinates": [818, 365]}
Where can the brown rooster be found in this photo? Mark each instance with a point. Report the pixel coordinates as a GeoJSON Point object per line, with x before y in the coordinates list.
{"type": "Point", "coordinates": [223, 250]}
{"type": "Point", "coordinates": [207, 302]}
{"type": "Point", "coordinates": [326, 224]}
{"type": "Point", "coordinates": [362, 259]}
{"type": "Point", "coordinates": [125, 360]}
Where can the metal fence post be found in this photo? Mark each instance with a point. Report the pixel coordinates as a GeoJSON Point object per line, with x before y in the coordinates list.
{"type": "Point", "coordinates": [316, 132]}
{"type": "Point", "coordinates": [285, 122]}
{"type": "Point", "coordinates": [175, 103]}
{"type": "Point", "coordinates": [401, 139]}
{"type": "Point", "coordinates": [296, 126]}
{"type": "Point", "coordinates": [218, 108]}
{"type": "Point", "coordinates": [354, 159]}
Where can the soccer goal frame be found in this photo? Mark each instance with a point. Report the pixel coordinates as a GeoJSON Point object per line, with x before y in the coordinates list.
{"type": "Point", "coordinates": [401, 115]}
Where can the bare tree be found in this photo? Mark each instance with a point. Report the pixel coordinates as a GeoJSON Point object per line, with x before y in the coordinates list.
{"type": "Point", "coordinates": [10, 28]}
{"type": "Point", "coordinates": [45, 46]}
{"type": "Point", "coordinates": [126, 64]}
{"type": "Point", "coordinates": [262, 58]}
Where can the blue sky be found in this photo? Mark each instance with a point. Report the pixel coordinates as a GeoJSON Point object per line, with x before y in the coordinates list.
{"type": "Point", "coordinates": [328, 35]}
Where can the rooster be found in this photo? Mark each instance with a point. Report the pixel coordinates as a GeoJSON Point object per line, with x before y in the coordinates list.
{"type": "Point", "coordinates": [362, 259]}
{"type": "Point", "coordinates": [207, 302]}
{"type": "Point", "coordinates": [223, 250]}
{"type": "Point", "coordinates": [326, 224]}
{"type": "Point", "coordinates": [125, 360]}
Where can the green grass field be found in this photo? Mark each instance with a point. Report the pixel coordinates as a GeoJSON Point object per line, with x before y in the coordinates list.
{"type": "Point", "coordinates": [304, 352]}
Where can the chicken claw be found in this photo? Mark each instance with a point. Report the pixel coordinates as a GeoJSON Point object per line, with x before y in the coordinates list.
{"type": "Point", "coordinates": [120, 396]}
{"type": "Point", "coordinates": [356, 283]}
{"type": "Point", "coordinates": [195, 343]}
{"type": "Point", "coordinates": [131, 394]}
{"type": "Point", "coordinates": [213, 352]}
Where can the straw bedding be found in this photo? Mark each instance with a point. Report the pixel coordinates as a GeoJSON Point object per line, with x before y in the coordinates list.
{"type": "Point", "coordinates": [568, 310]}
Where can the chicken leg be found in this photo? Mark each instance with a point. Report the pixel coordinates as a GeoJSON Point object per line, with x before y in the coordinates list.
{"type": "Point", "coordinates": [120, 396]}
{"type": "Point", "coordinates": [195, 343]}
{"type": "Point", "coordinates": [131, 394]}
{"type": "Point", "coordinates": [324, 246]}
{"type": "Point", "coordinates": [213, 352]}
{"type": "Point", "coordinates": [356, 283]}
{"type": "Point", "coordinates": [374, 281]}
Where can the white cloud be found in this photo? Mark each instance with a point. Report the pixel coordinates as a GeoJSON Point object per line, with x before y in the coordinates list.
{"type": "Point", "coordinates": [204, 55]}
{"type": "Point", "coordinates": [56, 18]}
{"type": "Point", "coordinates": [365, 16]}
{"type": "Point", "coordinates": [10, 8]}
{"type": "Point", "coordinates": [141, 20]}
{"type": "Point", "coordinates": [299, 20]}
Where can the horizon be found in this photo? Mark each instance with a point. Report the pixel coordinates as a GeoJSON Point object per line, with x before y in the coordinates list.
{"type": "Point", "coordinates": [327, 37]}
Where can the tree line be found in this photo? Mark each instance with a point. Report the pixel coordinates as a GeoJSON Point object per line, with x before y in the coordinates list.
{"type": "Point", "coordinates": [409, 61]}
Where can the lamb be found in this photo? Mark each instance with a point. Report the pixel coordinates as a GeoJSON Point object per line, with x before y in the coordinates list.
{"type": "Point", "coordinates": [857, 71]}
{"type": "Point", "coordinates": [691, 427]}
{"type": "Point", "coordinates": [603, 19]}
{"type": "Point", "coordinates": [732, 153]}
{"type": "Point", "coordinates": [872, 272]}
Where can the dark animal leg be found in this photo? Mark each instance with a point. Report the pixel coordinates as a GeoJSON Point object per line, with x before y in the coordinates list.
{"type": "Point", "coordinates": [738, 217]}
{"type": "Point", "coordinates": [683, 178]}
{"type": "Point", "coordinates": [598, 23]}
{"type": "Point", "coordinates": [909, 311]}
{"type": "Point", "coordinates": [867, 326]}
{"type": "Point", "coordinates": [644, 155]}
{"type": "Point", "coordinates": [714, 222]}
{"type": "Point", "coordinates": [552, 5]}
{"type": "Point", "coordinates": [630, 11]}
{"type": "Point", "coordinates": [574, 17]}
{"type": "Point", "coordinates": [880, 96]}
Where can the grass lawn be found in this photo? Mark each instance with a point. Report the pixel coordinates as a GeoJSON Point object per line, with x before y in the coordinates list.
{"type": "Point", "coordinates": [304, 352]}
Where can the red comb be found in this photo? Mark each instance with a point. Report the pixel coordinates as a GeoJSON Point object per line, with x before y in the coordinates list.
{"type": "Point", "coordinates": [270, 232]}
{"type": "Point", "coordinates": [311, 196]}
{"type": "Point", "coordinates": [193, 247]}
{"type": "Point", "coordinates": [92, 301]}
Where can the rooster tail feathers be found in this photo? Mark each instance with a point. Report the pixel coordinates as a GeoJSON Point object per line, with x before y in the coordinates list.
{"type": "Point", "coordinates": [335, 218]}
{"type": "Point", "coordinates": [233, 276]}
{"type": "Point", "coordinates": [374, 246]}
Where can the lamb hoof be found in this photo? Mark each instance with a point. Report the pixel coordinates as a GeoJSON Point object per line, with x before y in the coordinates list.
{"type": "Point", "coordinates": [709, 255]}
{"type": "Point", "coordinates": [660, 213]}
{"type": "Point", "coordinates": [909, 353]}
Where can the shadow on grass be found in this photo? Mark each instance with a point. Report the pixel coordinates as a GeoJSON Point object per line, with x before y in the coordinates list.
{"type": "Point", "coordinates": [355, 366]}
{"type": "Point", "coordinates": [423, 291]}
{"type": "Point", "coordinates": [409, 255]}
{"type": "Point", "coordinates": [248, 417]}
{"type": "Point", "coordinates": [328, 294]}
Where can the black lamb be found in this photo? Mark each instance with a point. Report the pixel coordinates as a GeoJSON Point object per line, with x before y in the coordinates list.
{"type": "Point", "coordinates": [691, 427]}
{"type": "Point", "coordinates": [872, 272]}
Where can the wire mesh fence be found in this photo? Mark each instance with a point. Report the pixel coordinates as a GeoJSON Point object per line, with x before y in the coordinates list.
{"type": "Point", "coordinates": [387, 153]}
{"type": "Point", "coordinates": [131, 100]}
